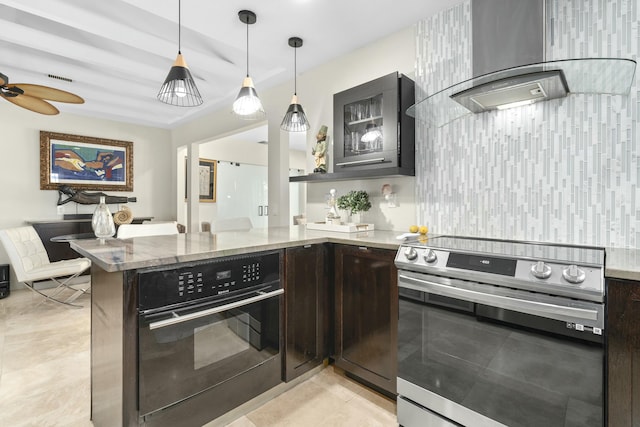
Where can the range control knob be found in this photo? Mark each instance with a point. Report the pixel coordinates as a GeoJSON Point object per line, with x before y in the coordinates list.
{"type": "Point", "coordinates": [573, 274]}
{"type": "Point", "coordinates": [430, 256]}
{"type": "Point", "coordinates": [410, 253]}
{"type": "Point", "coordinates": [541, 270]}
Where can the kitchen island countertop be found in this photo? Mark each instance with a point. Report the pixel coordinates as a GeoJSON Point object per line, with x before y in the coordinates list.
{"type": "Point", "coordinates": [140, 252]}
{"type": "Point", "coordinates": [151, 251]}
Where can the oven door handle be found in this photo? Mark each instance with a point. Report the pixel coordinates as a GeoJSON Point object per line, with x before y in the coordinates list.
{"type": "Point", "coordinates": [208, 312]}
{"type": "Point", "coordinates": [536, 308]}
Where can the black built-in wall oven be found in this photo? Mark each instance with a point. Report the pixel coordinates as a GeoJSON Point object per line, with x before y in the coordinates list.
{"type": "Point", "coordinates": [208, 337]}
{"type": "Point", "coordinates": [500, 333]}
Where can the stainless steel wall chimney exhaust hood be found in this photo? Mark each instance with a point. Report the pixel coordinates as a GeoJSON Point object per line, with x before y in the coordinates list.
{"type": "Point", "coordinates": [514, 91]}
{"type": "Point", "coordinates": [503, 31]}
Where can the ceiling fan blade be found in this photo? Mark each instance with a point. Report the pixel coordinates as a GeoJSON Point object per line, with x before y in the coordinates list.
{"type": "Point", "coordinates": [33, 104]}
{"type": "Point", "coordinates": [49, 93]}
{"type": "Point", "coordinates": [3, 79]}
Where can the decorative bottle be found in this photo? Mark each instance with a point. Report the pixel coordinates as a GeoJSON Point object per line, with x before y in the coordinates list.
{"type": "Point", "coordinates": [102, 221]}
{"type": "Point", "coordinates": [332, 216]}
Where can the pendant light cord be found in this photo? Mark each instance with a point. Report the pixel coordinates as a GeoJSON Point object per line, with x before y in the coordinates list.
{"type": "Point", "coordinates": [295, 71]}
{"type": "Point", "coordinates": [179, 28]}
{"type": "Point", "coordinates": [247, 47]}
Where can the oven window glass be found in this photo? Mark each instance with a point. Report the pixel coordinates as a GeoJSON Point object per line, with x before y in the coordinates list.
{"type": "Point", "coordinates": [224, 337]}
{"type": "Point", "coordinates": [512, 375]}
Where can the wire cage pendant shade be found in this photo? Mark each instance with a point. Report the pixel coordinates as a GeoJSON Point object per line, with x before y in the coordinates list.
{"type": "Point", "coordinates": [295, 120]}
{"type": "Point", "coordinates": [247, 105]}
{"type": "Point", "coordinates": [179, 88]}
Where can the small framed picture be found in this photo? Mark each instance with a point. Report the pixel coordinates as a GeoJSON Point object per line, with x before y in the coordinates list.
{"type": "Point", "coordinates": [206, 179]}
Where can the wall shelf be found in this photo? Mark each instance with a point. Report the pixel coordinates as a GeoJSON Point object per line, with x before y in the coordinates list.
{"type": "Point", "coordinates": [356, 174]}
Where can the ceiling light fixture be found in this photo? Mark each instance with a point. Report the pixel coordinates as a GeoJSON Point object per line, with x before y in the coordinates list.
{"type": "Point", "coordinates": [247, 105]}
{"type": "Point", "coordinates": [295, 120]}
{"type": "Point", "coordinates": [179, 87]}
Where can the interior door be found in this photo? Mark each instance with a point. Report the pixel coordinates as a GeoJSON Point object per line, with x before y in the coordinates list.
{"type": "Point", "coordinates": [243, 192]}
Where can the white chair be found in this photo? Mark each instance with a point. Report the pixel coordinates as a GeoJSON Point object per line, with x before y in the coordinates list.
{"type": "Point", "coordinates": [231, 224]}
{"type": "Point", "coordinates": [30, 262]}
{"type": "Point", "coordinates": [126, 231]}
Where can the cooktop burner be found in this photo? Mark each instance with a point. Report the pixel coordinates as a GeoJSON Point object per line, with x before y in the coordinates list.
{"type": "Point", "coordinates": [563, 270]}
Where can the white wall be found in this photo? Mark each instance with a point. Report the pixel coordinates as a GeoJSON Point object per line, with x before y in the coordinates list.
{"type": "Point", "coordinates": [315, 91]}
{"type": "Point", "coordinates": [22, 198]}
{"type": "Point", "coordinates": [241, 147]}
{"type": "Point", "coordinates": [384, 217]}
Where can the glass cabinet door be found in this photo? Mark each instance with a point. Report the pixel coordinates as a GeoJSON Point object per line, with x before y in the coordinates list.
{"type": "Point", "coordinates": [363, 126]}
{"type": "Point", "coordinates": [371, 131]}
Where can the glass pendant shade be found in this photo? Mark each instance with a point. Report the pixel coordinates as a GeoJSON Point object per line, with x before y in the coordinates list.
{"type": "Point", "coordinates": [247, 105]}
{"type": "Point", "coordinates": [295, 120]}
{"type": "Point", "coordinates": [102, 221]}
{"type": "Point", "coordinates": [179, 88]}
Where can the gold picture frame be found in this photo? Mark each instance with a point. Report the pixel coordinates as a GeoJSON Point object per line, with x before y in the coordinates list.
{"type": "Point", "coordinates": [85, 162]}
{"type": "Point", "coordinates": [207, 179]}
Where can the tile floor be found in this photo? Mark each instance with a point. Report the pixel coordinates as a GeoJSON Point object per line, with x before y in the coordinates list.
{"type": "Point", "coordinates": [44, 377]}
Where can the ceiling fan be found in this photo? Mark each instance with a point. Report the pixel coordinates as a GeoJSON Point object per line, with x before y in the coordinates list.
{"type": "Point", "coordinates": [32, 97]}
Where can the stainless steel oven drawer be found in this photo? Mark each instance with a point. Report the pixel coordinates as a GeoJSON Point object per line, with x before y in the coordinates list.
{"type": "Point", "coordinates": [412, 415]}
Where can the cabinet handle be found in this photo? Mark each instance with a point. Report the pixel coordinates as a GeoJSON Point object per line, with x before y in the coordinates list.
{"type": "Point", "coordinates": [306, 246]}
{"type": "Point", "coordinates": [363, 248]}
{"type": "Point", "coordinates": [361, 162]}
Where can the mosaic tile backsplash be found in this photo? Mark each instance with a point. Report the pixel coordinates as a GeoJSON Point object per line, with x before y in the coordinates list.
{"type": "Point", "coordinates": [565, 171]}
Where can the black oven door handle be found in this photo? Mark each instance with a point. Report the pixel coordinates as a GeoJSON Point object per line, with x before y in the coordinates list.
{"type": "Point", "coordinates": [208, 312]}
{"type": "Point", "coordinates": [537, 308]}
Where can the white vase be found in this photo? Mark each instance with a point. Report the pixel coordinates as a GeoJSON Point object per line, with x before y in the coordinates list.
{"type": "Point", "coordinates": [356, 218]}
{"type": "Point", "coordinates": [102, 221]}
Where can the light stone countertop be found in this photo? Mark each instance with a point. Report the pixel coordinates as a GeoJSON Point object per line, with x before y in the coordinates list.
{"type": "Point", "coordinates": [140, 252]}
{"type": "Point", "coordinates": [622, 263]}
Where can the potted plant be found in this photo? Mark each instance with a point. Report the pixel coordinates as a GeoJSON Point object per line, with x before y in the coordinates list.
{"type": "Point", "coordinates": [354, 202]}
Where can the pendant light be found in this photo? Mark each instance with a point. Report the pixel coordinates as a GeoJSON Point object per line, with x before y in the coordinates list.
{"type": "Point", "coordinates": [247, 105]}
{"type": "Point", "coordinates": [179, 88]}
{"type": "Point", "coordinates": [295, 120]}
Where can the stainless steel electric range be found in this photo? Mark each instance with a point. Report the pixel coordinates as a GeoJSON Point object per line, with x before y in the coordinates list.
{"type": "Point", "coordinates": [500, 333]}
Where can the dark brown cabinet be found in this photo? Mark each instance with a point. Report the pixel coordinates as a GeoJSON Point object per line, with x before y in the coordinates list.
{"type": "Point", "coordinates": [623, 353]}
{"type": "Point", "coordinates": [366, 314]}
{"type": "Point", "coordinates": [59, 251]}
{"type": "Point", "coordinates": [306, 316]}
